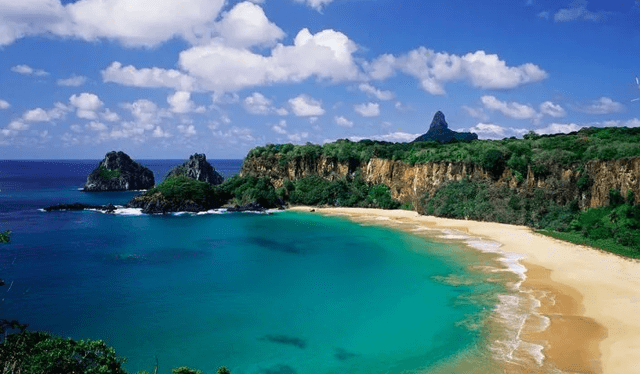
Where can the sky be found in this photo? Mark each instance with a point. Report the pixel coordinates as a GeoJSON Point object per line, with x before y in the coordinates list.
{"type": "Point", "coordinates": [163, 79]}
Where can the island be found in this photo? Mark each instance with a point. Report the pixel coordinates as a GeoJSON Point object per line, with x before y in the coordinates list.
{"type": "Point", "coordinates": [118, 172]}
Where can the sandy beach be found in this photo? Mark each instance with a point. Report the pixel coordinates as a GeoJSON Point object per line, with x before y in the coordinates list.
{"type": "Point", "coordinates": [591, 298]}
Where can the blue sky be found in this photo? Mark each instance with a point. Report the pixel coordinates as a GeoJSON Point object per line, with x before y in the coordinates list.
{"type": "Point", "coordinates": [167, 78]}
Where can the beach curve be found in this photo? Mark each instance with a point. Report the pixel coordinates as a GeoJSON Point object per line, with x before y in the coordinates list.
{"type": "Point", "coordinates": [590, 297]}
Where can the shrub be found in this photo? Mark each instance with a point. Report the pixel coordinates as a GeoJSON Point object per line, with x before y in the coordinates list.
{"type": "Point", "coordinates": [108, 175]}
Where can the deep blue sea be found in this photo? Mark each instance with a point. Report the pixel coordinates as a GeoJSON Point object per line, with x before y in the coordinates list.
{"type": "Point", "coordinates": [274, 294]}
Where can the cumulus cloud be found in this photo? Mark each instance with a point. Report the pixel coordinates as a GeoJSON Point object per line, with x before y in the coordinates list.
{"type": "Point", "coordinates": [246, 25]}
{"type": "Point", "coordinates": [315, 4]}
{"type": "Point", "coordinates": [342, 121]}
{"type": "Point", "coordinates": [36, 115]}
{"type": "Point", "coordinates": [28, 70]}
{"type": "Point", "coordinates": [187, 130]}
{"type": "Point", "coordinates": [493, 131]}
{"type": "Point", "coordinates": [148, 77]}
{"type": "Point", "coordinates": [96, 126]}
{"type": "Point", "coordinates": [221, 68]}
{"type": "Point", "coordinates": [280, 128]}
{"type": "Point", "coordinates": [553, 110]}
{"type": "Point", "coordinates": [577, 11]}
{"type": "Point", "coordinates": [555, 128]}
{"type": "Point", "coordinates": [603, 105]}
{"type": "Point", "coordinates": [87, 105]}
{"type": "Point", "coordinates": [257, 103]}
{"type": "Point", "coordinates": [110, 116]}
{"type": "Point", "coordinates": [512, 109]}
{"type": "Point", "coordinates": [4, 104]}
{"type": "Point", "coordinates": [433, 69]}
{"type": "Point", "coordinates": [72, 81]}
{"type": "Point", "coordinates": [158, 132]}
{"type": "Point", "coordinates": [477, 113]}
{"type": "Point", "coordinates": [180, 102]}
{"type": "Point", "coordinates": [374, 92]}
{"type": "Point", "coordinates": [398, 136]}
{"type": "Point", "coordinates": [367, 109]}
{"type": "Point", "coordinates": [131, 22]}
{"type": "Point", "coordinates": [305, 106]}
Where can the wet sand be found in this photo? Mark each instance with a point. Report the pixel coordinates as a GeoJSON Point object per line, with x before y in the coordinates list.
{"type": "Point", "coordinates": [591, 298]}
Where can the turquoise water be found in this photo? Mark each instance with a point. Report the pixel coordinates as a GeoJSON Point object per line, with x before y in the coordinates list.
{"type": "Point", "coordinates": [283, 293]}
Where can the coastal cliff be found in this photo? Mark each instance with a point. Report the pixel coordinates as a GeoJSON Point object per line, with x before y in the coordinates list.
{"type": "Point", "coordinates": [589, 185]}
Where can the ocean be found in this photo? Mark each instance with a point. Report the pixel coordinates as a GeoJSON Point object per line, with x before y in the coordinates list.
{"type": "Point", "coordinates": [283, 293]}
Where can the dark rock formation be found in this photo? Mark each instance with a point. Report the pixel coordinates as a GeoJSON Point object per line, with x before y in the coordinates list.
{"type": "Point", "coordinates": [197, 168]}
{"type": "Point", "coordinates": [159, 204]}
{"type": "Point", "coordinates": [253, 207]}
{"type": "Point", "coordinates": [118, 172]}
{"type": "Point", "coordinates": [109, 208]}
{"type": "Point", "coordinates": [439, 132]}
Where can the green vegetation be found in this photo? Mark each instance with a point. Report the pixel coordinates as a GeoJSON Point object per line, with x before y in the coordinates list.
{"type": "Point", "coordinates": [310, 190]}
{"type": "Point", "coordinates": [539, 151]}
{"type": "Point", "coordinates": [615, 228]}
{"type": "Point", "coordinates": [183, 188]}
{"type": "Point", "coordinates": [5, 237]}
{"type": "Point", "coordinates": [108, 175]}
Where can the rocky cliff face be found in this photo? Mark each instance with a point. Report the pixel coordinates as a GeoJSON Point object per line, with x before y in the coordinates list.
{"type": "Point", "coordinates": [411, 182]}
{"type": "Point", "coordinates": [118, 172]}
{"type": "Point", "coordinates": [197, 168]}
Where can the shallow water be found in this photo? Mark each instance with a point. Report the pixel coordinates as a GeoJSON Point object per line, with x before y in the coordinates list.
{"type": "Point", "coordinates": [282, 293]}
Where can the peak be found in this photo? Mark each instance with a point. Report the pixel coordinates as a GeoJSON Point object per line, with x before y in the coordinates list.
{"type": "Point", "coordinates": [439, 121]}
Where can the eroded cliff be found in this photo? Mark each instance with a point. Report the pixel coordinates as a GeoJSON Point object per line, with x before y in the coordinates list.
{"type": "Point", "coordinates": [587, 184]}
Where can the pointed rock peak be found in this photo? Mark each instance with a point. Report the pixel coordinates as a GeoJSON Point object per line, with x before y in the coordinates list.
{"type": "Point", "coordinates": [197, 168]}
{"type": "Point", "coordinates": [118, 172]}
{"type": "Point", "coordinates": [439, 121]}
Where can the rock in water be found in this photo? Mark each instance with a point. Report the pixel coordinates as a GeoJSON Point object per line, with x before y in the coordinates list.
{"type": "Point", "coordinates": [197, 168]}
{"type": "Point", "coordinates": [118, 172]}
{"type": "Point", "coordinates": [439, 131]}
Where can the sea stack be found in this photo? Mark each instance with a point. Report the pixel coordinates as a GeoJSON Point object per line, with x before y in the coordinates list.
{"type": "Point", "coordinates": [118, 172]}
{"type": "Point", "coordinates": [197, 168]}
{"type": "Point", "coordinates": [439, 132]}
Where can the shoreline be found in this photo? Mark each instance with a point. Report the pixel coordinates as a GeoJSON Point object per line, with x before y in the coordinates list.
{"type": "Point", "coordinates": [590, 298]}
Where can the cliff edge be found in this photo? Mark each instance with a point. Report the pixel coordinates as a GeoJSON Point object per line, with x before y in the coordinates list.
{"type": "Point", "coordinates": [197, 168]}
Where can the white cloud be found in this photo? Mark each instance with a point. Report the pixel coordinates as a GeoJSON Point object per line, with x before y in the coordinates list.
{"type": "Point", "coordinates": [477, 113]}
{"type": "Point", "coordinates": [555, 128]}
{"type": "Point", "coordinates": [110, 116]}
{"type": "Point", "coordinates": [220, 68]}
{"type": "Point", "coordinates": [315, 4]}
{"type": "Point", "coordinates": [367, 109]}
{"type": "Point", "coordinates": [87, 105]}
{"type": "Point", "coordinates": [180, 102]}
{"type": "Point", "coordinates": [187, 130]}
{"type": "Point", "coordinates": [493, 131]}
{"type": "Point", "coordinates": [298, 136]}
{"type": "Point", "coordinates": [257, 103]}
{"type": "Point", "coordinates": [305, 106]}
{"type": "Point", "coordinates": [18, 126]}
{"type": "Point", "coordinates": [553, 110]}
{"type": "Point", "coordinates": [97, 126]}
{"type": "Point", "coordinates": [377, 93]}
{"type": "Point", "coordinates": [513, 109]}
{"type": "Point", "coordinates": [280, 127]}
{"type": "Point", "coordinates": [342, 121]}
{"type": "Point", "coordinates": [28, 70]}
{"type": "Point", "coordinates": [544, 15]}
{"type": "Point", "coordinates": [140, 23]}
{"type": "Point", "coordinates": [282, 111]}
{"type": "Point", "coordinates": [36, 115]}
{"type": "Point", "coordinates": [577, 11]}
{"type": "Point", "coordinates": [246, 25]}
{"type": "Point", "coordinates": [603, 105]}
{"type": "Point", "coordinates": [72, 81]}
{"type": "Point", "coordinates": [434, 69]}
{"type": "Point", "coordinates": [148, 77]}
{"type": "Point", "coordinates": [390, 137]}
{"type": "Point", "coordinates": [4, 104]}
{"type": "Point", "coordinates": [158, 132]}
{"type": "Point", "coordinates": [634, 122]}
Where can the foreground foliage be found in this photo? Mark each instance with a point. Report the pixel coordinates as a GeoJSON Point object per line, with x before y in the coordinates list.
{"type": "Point", "coordinates": [615, 228]}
